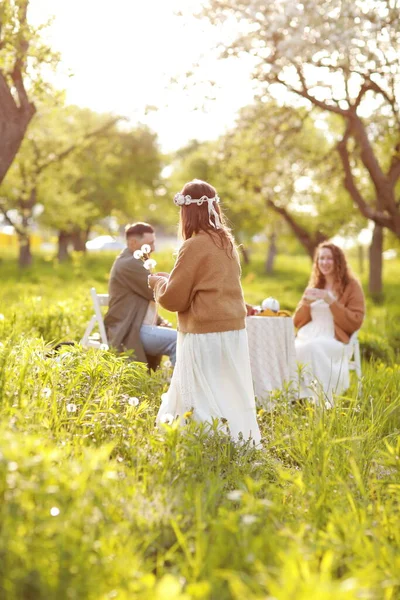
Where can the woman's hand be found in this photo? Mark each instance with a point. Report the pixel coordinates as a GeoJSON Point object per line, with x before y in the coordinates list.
{"type": "Point", "coordinates": [162, 274]}
{"type": "Point", "coordinates": [152, 280]}
{"type": "Point", "coordinates": [306, 299]}
{"type": "Point", "coordinates": [328, 297]}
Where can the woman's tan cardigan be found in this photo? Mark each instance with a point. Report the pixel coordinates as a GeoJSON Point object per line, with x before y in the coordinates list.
{"type": "Point", "coordinates": [348, 312]}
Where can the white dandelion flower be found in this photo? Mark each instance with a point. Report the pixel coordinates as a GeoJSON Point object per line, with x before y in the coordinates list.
{"type": "Point", "coordinates": [103, 347]}
{"type": "Point", "coordinates": [133, 401]}
{"type": "Point", "coordinates": [149, 264]}
{"type": "Point", "coordinates": [234, 495]}
{"type": "Point", "coordinates": [46, 392]}
{"type": "Point", "coordinates": [167, 418]}
{"type": "Point", "coordinates": [145, 248]}
{"type": "Point", "coordinates": [138, 254]}
{"type": "Point", "coordinates": [71, 407]}
{"type": "Point", "coordinates": [249, 519]}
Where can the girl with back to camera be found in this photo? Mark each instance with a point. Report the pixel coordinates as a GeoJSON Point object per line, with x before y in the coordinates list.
{"type": "Point", "coordinates": [331, 309]}
{"type": "Point", "coordinates": [212, 375]}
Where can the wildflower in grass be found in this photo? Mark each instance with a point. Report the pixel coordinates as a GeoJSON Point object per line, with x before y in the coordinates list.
{"type": "Point", "coordinates": [103, 347]}
{"type": "Point", "coordinates": [261, 412]}
{"type": "Point", "coordinates": [249, 519]}
{"type": "Point", "coordinates": [167, 418]}
{"type": "Point", "coordinates": [46, 392]}
{"type": "Point", "coordinates": [54, 511]}
{"type": "Point", "coordinates": [188, 414]}
{"type": "Point", "coordinates": [133, 401]}
{"type": "Point", "coordinates": [71, 407]}
{"type": "Point", "coordinates": [234, 495]}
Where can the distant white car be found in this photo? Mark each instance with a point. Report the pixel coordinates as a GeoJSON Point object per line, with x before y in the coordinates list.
{"type": "Point", "coordinates": [105, 242]}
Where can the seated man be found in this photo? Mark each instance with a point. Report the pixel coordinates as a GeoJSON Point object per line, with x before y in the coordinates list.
{"type": "Point", "coordinates": [131, 321]}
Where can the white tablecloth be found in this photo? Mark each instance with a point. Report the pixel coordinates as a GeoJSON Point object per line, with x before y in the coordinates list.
{"type": "Point", "coordinates": [272, 354]}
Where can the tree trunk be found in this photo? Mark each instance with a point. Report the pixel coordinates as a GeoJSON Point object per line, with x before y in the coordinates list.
{"type": "Point", "coordinates": [14, 121]}
{"type": "Point", "coordinates": [376, 263]}
{"type": "Point", "coordinates": [25, 254]}
{"type": "Point", "coordinates": [64, 239]}
{"type": "Point", "coordinates": [79, 239]}
{"type": "Point", "coordinates": [361, 258]}
{"type": "Point", "coordinates": [272, 251]}
{"type": "Point", "coordinates": [245, 254]}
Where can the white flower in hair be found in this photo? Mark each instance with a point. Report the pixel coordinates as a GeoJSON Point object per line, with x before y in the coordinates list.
{"type": "Point", "coordinates": [179, 199]}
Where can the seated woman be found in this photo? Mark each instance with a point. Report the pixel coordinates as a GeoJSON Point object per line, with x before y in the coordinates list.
{"type": "Point", "coordinates": [331, 309]}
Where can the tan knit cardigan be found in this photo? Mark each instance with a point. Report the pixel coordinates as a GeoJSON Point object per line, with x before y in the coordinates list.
{"type": "Point", "coordinates": [204, 287]}
{"type": "Point", "coordinates": [348, 312]}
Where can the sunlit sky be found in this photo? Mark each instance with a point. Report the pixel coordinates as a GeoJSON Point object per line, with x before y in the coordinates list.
{"type": "Point", "coordinates": [120, 57]}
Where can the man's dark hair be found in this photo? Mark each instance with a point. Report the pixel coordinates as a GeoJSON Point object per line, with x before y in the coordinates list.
{"type": "Point", "coordinates": [138, 230]}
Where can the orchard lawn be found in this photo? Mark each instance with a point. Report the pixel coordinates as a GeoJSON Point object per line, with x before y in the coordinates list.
{"type": "Point", "coordinates": [97, 504]}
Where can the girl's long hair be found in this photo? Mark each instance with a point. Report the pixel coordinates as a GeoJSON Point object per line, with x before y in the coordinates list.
{"type": "Point", "coordinates": [342, 272]}
{"type": "Point", "coordinates": [194, 218]}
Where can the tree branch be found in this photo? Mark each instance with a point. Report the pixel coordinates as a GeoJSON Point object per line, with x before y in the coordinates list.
{"type": "Point", "coordinates": [72, 147]}
{"type": "Point", "coordinates": [304, 93]}
{"type": "Point", "coordinates": [9, 220]}
{"type": "Point", "coordinates": [350, 185]}
{"type": "Point", "coordinates": [308, 240]}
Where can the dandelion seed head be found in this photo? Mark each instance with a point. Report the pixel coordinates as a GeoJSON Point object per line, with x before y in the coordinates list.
{"type": "Point", "coordinates": [54, 511]}
{"type": "Point", "coordinates": [138, 254]}
{"type": "Point", "coordinates": [133, 401]}
{"type": "Point", "coordinates": [146, 248]}
{"type": "Point", "coordinates": [234, 495]}
{"type": "Point", "coordinates": [46, 392]}
{"type": "Point", "coordinates": [150, 263]}
{"type": "Point", "coordinates": [71, 407]}
{"type": "Point", "coordinates": [249, 519]}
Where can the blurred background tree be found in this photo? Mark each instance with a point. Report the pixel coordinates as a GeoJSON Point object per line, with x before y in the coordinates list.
{"type": "Point", "coordinates": [340, 58]}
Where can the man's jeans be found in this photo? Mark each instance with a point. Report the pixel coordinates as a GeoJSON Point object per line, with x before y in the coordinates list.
{"type": "Point", "coordinates": [159, 340]}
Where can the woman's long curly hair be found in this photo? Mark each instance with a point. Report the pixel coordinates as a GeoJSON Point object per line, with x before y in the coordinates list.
{"type": "Point", "coordinates": [194, 218]}
{"type": "Point", "coordinates": [342, 272]}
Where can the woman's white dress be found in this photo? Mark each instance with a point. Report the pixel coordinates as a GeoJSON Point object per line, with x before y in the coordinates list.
{"type": "Point", "coordinates": [212, 378]}
{"type": "Point", "coordinates": [325, 361]}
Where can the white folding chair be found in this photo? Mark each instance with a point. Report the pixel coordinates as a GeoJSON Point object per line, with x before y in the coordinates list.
{"type": "Point", "coordinates": [355, 356]}
{"type": "Point", "coordinates": [88, 340]}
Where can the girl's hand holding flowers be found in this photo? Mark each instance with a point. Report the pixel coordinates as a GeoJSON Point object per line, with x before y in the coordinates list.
{"type": "Point", "coordinates": [152, 280]}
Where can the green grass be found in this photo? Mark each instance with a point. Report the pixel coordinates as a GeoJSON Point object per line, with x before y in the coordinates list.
{"type": "Point", "coordinates": [96, 503]}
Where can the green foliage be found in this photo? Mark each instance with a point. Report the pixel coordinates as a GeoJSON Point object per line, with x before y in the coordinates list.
{"type": "Point", "coordinates": [98, 503]}
{"type": "Point", "coordinates": [376, 346]}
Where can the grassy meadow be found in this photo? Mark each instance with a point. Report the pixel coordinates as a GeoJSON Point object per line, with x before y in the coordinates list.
{"type": "Point", "coordinates": [98, 504]}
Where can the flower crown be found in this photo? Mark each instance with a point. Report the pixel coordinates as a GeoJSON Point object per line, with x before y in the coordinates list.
{"type": "Point", "coordinates": [185, 200]}
{"type": "Point", "coordinates": [181, 200]}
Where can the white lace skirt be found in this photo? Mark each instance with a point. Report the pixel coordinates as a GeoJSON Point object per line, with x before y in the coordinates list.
{"type": "Point", "coordinates": [212, 378]}
{"type": "Point", "coordinates": [325, 365]}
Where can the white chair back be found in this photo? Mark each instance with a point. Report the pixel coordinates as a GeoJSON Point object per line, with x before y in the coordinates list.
{"type": "Point", "coordinates": [88, 340]}
{"type": "Point", "coordinates": [355, 356]}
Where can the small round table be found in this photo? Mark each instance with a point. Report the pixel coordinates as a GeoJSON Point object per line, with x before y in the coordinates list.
{"type": "Point", "coordinates": [272, 355]}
